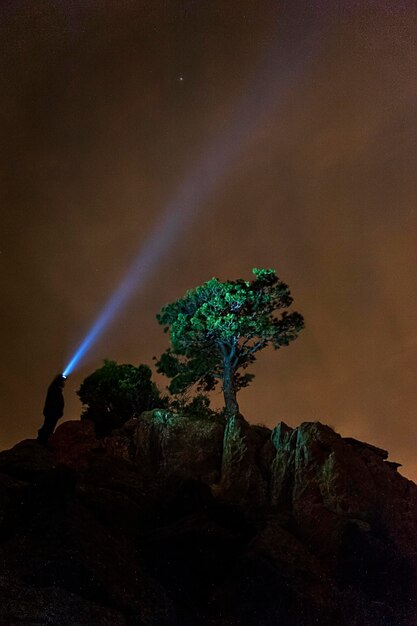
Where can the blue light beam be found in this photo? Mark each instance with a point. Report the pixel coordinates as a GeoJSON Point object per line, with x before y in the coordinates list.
{"type": "Point", "coordinates": [268, 92]}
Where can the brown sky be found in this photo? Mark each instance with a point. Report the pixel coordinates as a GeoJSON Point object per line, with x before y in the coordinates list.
{"type": "Point", "coordinates": [98, 132]}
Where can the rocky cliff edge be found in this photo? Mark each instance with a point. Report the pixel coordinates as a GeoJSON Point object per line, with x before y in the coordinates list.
{"type": "Point", "coordinates": [179, 521]}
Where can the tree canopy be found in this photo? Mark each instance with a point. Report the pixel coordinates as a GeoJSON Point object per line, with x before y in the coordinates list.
{"type": "Point", "coordinates": [218, 328]}
{"type": "Point", "coordinates": [115, 393]}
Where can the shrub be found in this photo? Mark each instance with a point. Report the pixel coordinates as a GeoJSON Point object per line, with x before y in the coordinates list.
{"type": "Point", "coordinates": [115, 393]}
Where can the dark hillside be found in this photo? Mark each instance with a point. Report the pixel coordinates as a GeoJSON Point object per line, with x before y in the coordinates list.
{"type": "Point", "coordinates": [179, 521]}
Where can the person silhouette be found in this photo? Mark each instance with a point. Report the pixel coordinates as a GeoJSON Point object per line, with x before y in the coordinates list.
{"type": "Point", "coordinates": [53, 409]}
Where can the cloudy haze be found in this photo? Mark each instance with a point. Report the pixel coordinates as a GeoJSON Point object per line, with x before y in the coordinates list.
{"type": "Point", "coordinates": [109, 107]}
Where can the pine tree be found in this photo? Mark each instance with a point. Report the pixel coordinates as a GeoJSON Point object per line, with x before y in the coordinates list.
{"type": "Point", "coordinates": [218, 328]}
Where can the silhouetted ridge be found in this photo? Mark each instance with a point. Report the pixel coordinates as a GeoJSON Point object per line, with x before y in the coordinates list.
{"type": "Point", "coordinates": [172, 520]}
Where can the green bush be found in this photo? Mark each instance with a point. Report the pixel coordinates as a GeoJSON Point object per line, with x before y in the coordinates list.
{"type": "Point", "coordinates": [197, 407]}
{"type": "Point", "coordinates": [115, 393]}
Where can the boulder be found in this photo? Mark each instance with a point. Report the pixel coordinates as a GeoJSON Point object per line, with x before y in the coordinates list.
{"type": "Point", "coordinates": [167, 444]}
{"type": "Point", "coordinates": [244, 474]}
{"type": "Point", "coordinates": [27, 460]}
{"type": "Point", "coordinates": [350, 507]}
{"type": "Point", "coordinates": [140, 528]}
{"type": "Point", "coordinates": [282, 466]}
{"type": "Point", "coordinates": [72, 442]}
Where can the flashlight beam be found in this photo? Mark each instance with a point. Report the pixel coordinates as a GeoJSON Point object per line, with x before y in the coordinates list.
{"type": "Point", "coordinates": [255, 107]}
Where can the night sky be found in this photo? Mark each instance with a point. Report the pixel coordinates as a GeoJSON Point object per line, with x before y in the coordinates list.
{"type": "Point", "coordinates": [308, 109]}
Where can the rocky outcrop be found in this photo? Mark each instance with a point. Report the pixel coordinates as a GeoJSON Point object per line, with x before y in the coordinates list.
{"type": "Point", "coordinates": [179, 521]}
{"type": "Point", "coordinates": [352, 508]}
{"type": "Point", "coordinates": [319, 475]}
{"type": "Point", "coordinates": [245, 470]}
{"type": "Point", "coordinates": [167, 444]}
{"type": "Point", "coordinates": [72, 442]}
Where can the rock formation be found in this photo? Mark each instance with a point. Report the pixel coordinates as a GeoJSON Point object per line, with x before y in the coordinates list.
{"type": "Point", "coordinates": [180, 521]}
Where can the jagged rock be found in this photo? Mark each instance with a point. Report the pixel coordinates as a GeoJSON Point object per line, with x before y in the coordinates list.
{"type": "Point", "coordinates": [242, 479]}
{"type": "Point", "coordinates": [282, 466]}
{"type": "Point", "coordinates": [361, 444]}
{"type": "Point", "coordinates": [167, 444]}
{"type": "Point", "coordinates": [356, 514]}
{"type": "Point", "coordinates": [281, 435]}
{"type": "Point", "coordinates": [352, 482]}
{"type": "Point", "coordinates": [393, 464]}
{"type": "Point", "coordinates": [306, 528]}
{"type": "Point", "coordinates": [264, 449]}
{"type": "Point", "coordinates": [72, 442]}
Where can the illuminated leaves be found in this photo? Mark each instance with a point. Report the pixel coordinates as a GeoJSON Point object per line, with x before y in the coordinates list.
{"type": "Point", "coordinates": [218, 327]}
{"type": "Point", "coordinates": [116, 392]}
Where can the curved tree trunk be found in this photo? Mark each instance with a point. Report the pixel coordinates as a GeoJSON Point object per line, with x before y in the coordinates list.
{"type": "Point", "coordinates": [229, 391]}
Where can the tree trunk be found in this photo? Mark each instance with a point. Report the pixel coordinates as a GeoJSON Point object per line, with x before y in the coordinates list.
{"type": "Point", "coordinates": [229, 391]}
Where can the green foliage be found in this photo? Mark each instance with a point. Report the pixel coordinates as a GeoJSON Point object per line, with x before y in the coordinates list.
{"type": "Point", "coordinates": [115, 393]}
{"type": "Point", "coordinates": [217, 328]}
{"type": "Point", "coordinates": [198, 407]}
